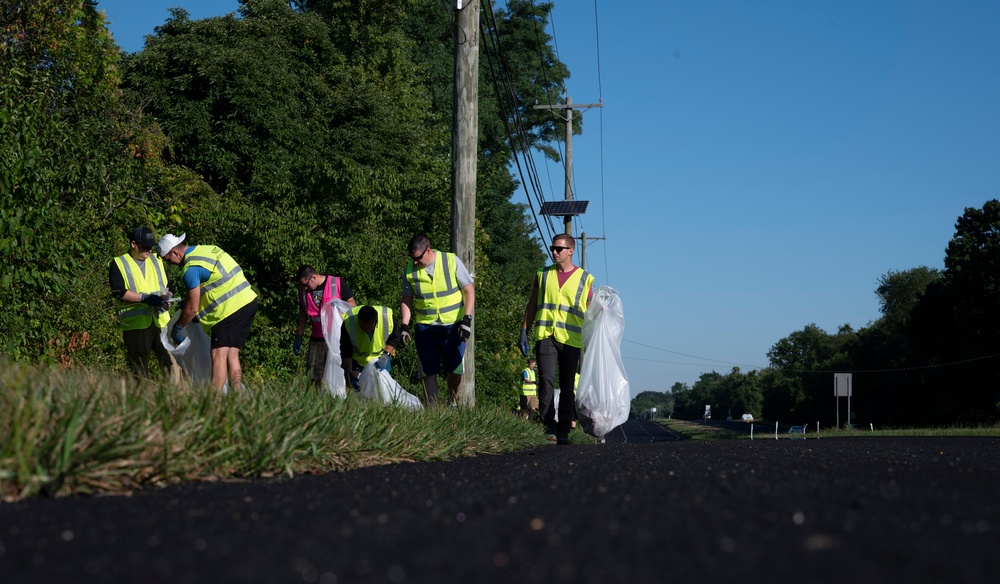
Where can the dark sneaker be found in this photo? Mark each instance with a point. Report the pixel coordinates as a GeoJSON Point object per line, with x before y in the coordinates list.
{"type": "Point", "coordinates": [550, 437]}
{"type": "Point", "coordinates": [563, 439]}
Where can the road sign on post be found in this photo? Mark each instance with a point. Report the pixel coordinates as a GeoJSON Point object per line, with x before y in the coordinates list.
{"type": "Point", "coordinates": [842, 386]}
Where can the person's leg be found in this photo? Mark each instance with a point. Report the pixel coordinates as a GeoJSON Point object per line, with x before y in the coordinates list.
{"type": "Point", "coordinates": [168, 365]}
{"type": "Point", "coordinates": [569, 359]}
{"type": "Point", "coordinates": [235, 371]}
{"type": "Point", "coordinates": [431, 387]}
{"type": "Point", "coordinates": [545, 352]}
{"type": "Point", "coordinates": [316, 362]}
{"type": "Point", "coordinates": [454, 383]}
{"type": "Point", "coordinates": [136, 353]}
{"type": "Point", "coordinates": [220, 367]}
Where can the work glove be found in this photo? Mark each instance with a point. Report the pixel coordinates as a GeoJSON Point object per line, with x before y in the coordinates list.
{"type": "Point", "coordinates": [382, 362]}
{"type": "Point", "coordinates": [404, 336]}
{"type": "Point", "coordinates": [297, 346]}
{"type": "Point", "coordinates": [355, 383]}
{"type": "Point", "coordinates": [465, 329]}
{"type": "Point", "coordinates": [152, 299]}
{"type": "Point", "coordinates": [524, 342]}
{"type": "Point", "coordinates": [177, 334]}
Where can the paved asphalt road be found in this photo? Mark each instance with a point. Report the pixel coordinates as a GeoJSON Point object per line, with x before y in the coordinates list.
{"type": "Point", "coordinates": [641, 508]}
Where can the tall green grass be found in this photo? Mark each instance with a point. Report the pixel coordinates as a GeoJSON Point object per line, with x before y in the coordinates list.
{"type": "Point", "coordinates": [79, 432]}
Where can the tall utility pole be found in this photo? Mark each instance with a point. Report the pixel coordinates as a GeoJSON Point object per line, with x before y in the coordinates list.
{"type": "Point", "coordinates": [570, 210]}
{"type": "Point", "coordinates": [465, 149]}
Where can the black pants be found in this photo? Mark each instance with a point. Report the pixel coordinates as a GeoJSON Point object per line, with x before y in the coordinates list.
{"type": "Point", "coordinates": [550, 353]}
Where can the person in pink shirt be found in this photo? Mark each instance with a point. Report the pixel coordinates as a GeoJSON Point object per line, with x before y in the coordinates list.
{"type": "Point", "coordinates": [315, 290]}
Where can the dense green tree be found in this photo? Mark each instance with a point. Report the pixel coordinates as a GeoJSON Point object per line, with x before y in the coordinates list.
{"type": "Point", "coordinates": [662, 401]}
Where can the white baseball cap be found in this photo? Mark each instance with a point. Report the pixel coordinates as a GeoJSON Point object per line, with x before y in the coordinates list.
{"type": "Point", "coordinates": [169, 242]}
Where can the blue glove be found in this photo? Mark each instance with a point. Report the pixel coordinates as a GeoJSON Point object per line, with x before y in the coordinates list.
{"type": "Point", "coordinates": [177, 334]}
{"type": "Point", "coordinates": [297, 346]}
{"type": "Point", "coordinates": [524, 342]}
{"type": "Point", "coordinates": [465, 329]}
{"type": "Point", "coordinates": [152, 299]}
{"type": "Point", "coordinates": [382, 362]}
{"type": "Point", "coordinates": [355, 384]}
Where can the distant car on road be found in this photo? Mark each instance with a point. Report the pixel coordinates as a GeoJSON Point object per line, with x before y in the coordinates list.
{"type": "Point", "coordinates": [797, 432]}
{"type": "Point", "coordinates": [747, 418]}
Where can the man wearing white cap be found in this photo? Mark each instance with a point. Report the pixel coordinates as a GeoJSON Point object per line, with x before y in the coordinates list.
{"type": "Point", "coordinates": [139, 282]}
{"type": "Point", "coordinates": [219, 297]}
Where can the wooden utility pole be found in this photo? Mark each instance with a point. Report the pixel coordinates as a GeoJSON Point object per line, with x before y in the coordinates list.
{"type": "Point", "coordinates": [465, 149]}
{"type": "Point", "coordinates": [568, 193]}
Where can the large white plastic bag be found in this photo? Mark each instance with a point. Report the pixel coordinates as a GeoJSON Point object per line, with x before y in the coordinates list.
{"type": "Point", "coordinates": [379, 385]}
{"type": "Point", "coordinates": [331, 317]}
{"type": "Point", "coordinates": [194, 354]}
{"type": "Point", "coordinates": [603, 397]}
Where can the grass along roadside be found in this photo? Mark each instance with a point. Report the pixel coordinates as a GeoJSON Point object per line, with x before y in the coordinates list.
{"type": "Point", "coordinates": [76, 431]}
{"type": "Point", "coordinates": [693, 430]}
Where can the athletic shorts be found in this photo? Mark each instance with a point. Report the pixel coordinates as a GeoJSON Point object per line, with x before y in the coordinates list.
{"type": "Point", "coordinates": [232, 331]}
{"type": "Point", "coordinates": [439, 348]}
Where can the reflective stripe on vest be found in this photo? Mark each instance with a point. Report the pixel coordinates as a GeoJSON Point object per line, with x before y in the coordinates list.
{"type": "Point", "coordinates": [437, 299]}
{"type": "Point", "coordinates": [226, 290]}
{"type": "Point", "coordinates": [561, 310]}
{"type": "Point", "coordinates": [312, 311]}
{"type": "Point", "coordinates": [529, 386]}
{"type": "Point", "coordinates": [136, 315]}
{"type": "Point", "coordinates": [366, 349]}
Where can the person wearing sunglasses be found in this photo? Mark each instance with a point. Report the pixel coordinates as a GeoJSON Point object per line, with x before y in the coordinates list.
{"type": "Point", "coordinates": [556, 307]}
{"type": "Point", "coordinates": [139, 284]}
{"type": "Point", "coordinates": [439, 296]}
{"type": "Point", "coordinates": [315, 290]}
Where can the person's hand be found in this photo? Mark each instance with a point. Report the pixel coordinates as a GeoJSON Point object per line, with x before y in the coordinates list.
{"type": "Point", "coordinates": [297, 345]}
{"type": "Point", "coordinates": [524, 342]}
{"type": "Point", "coordinates": [177, 334]}
{"type": "Point", "coordinates": [404, 336]}
{"type": "Point", "coordinates": [152, 299]}
{"type": "Point", "coordinates": [354, 382]}
{"type": "Point", "coordinates": [465, 329]}
{"type": "Point", "coordinates": [382, 362]}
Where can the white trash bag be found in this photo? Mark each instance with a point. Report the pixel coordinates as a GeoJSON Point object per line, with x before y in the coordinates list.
{"type": "Point", "coordinates": [603, 397]}
{"type": "Point", "coordinates": [379, 385]}
{"type": "Point", "coordinates": [331, 317]}
{"type": "Point", "coordinates": [194, 354]}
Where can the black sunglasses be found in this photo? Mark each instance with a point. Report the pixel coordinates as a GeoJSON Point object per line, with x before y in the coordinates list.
{"type": "Point", "coordinates": [558, 248]}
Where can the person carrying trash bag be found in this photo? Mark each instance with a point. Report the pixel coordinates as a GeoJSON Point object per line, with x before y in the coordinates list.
{"type": "Point", "coordinates": [138, 283]}
{"type": "Point", "coordinates": [556, 307]}
{"type": "Point", "coordinates": [219, 297]}
{"type": "Point", "coordinates": [368, 334]}
{"type": "Point", "coordinates": [315, 290]}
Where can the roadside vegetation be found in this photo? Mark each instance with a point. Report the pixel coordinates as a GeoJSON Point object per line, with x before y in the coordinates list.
{"type": "Point", "coordinates": [77, 431]}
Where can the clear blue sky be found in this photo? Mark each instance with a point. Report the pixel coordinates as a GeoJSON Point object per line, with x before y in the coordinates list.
{"type": "Point", "coordinates": [757, 165]}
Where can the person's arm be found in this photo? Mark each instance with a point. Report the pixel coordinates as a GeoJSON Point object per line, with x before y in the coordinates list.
{"type": "Point", "coordinates": [469, 293]}
{"type": "Point", "coordinates": [347, 355]}
{"type": "Point", "coordinates": [346, 294]}
{"type": "Point", "coordinates": [392, 341]}
{"type": "Point", "coordinates": [300, 326]}
{"type": "Point", "coordinates": [406, 310]}
{"type": "Point", "coordinates": [190, 307]}
{"type": "Point", "coordinates": [532, 306]}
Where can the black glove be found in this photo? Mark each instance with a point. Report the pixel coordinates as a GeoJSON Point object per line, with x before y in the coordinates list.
{"type": "Point", "coordinates": [465, 330]}
{"type": "Point", "coordinates": [152, 299]}
{"type": "Point", "coordinates": [297, 345]}
{"type": "Point", "coordinates": [524, 342]}
{"type": "Point", "coordinates": [177, 334]}
{"type": "Point", "coordinates": [404, 334]}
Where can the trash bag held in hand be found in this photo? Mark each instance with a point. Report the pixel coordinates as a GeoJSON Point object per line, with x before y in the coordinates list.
{"type": "Point", "coordinates": [194, 354]}
{"type": "Point", "coordinates": [331, 317]}
{"type": "Point", "coordinates": [603, 397]}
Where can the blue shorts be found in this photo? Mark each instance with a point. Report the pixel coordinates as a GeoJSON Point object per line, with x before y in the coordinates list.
{"type": "Point", "coordinates": [439, 348]}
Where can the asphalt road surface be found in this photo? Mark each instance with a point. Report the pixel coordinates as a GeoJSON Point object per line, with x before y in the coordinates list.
{"type": "Point", "coordinates": [641, 508]}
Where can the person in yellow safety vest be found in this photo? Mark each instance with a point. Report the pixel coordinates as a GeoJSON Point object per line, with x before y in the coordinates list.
{"type": "Point", "coordinates": [556, 307]}
{"type": "Point", "coordinates": [439, 296]}
{"type": "Point", "coordinates": [368, 334]}
{"type": "Point", "coordinates": [139, 283]}
{"type": "Point", "coordinates": [315, 290]}
{"type": "Point", "coordinates": [528, 406]}
{"type": "Point", "coordinates": [219, 297]}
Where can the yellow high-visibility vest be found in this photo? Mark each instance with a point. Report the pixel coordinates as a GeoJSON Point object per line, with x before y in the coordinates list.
{"type": "Point", "coordinates": [529, 384]}
{"type": "Point", "coordinates": [366, 349]}
{"type": "Point", "coordinates": [561, 310]}
{"type": "Point", "coordinates": [439, 299]}
{"type": "Point", "coordinates": [136, 315]}
{"type": "Point", "coordinates": [226, 290]}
